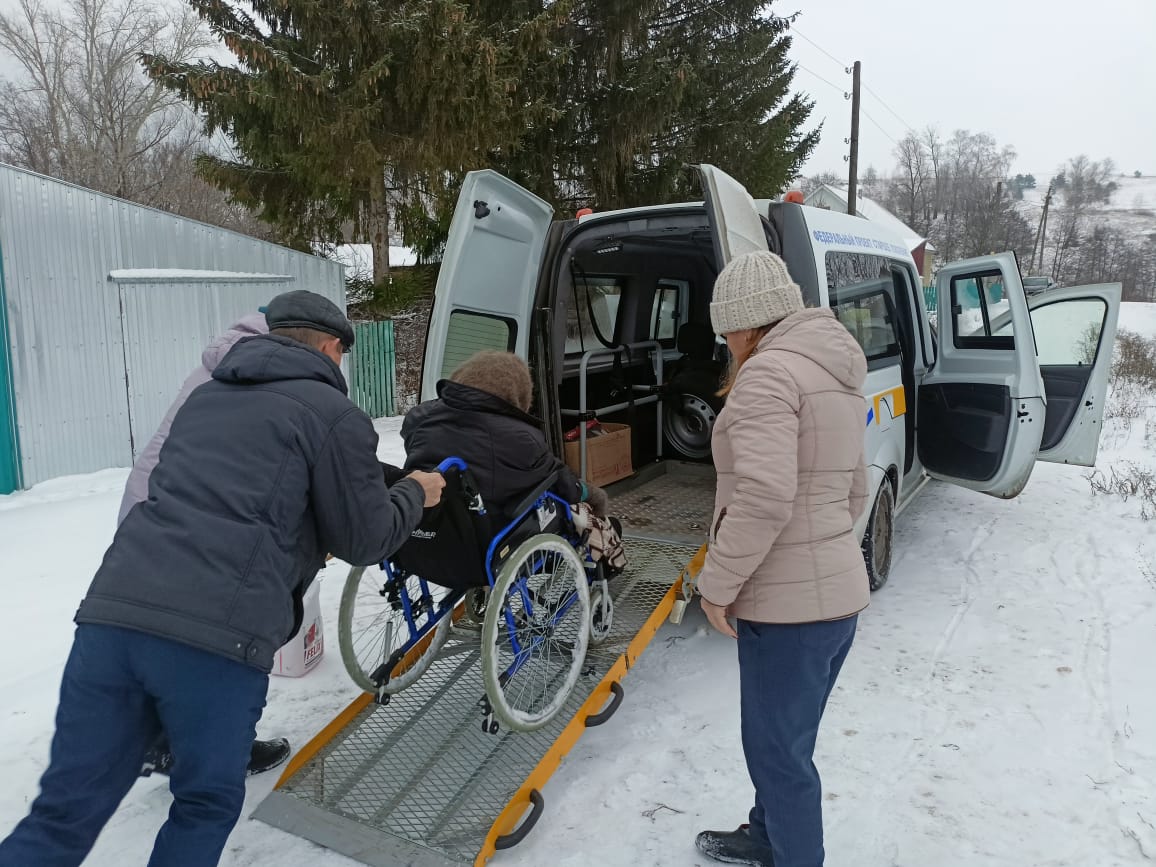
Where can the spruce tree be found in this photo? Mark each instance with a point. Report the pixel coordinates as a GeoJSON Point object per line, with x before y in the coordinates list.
{"type": "Point", "coordinates": [349, 110]}
{"type": "Point", "coordinates": [649, 86]}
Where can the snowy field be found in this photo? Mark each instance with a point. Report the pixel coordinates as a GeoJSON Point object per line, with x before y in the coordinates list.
{"type": "Point", "coordinates": [1131, 210]}
{"type": "Point", "coordinates": [998, 707]}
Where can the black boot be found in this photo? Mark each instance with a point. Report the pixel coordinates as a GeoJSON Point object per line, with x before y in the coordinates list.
{"type": "Point", "coordinates": [266, 755]}
{"type": "Point", "coordinates": [157, 760]}
{"type": "Point", "coordinates": [735, 847]}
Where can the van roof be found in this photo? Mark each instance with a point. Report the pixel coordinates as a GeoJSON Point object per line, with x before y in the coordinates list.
{"type": "Point", "coordinates": [829, 229]}
{"type": "Point", "coordinates": [649, 209]}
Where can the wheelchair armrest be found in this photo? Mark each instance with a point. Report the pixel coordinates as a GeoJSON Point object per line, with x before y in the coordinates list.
{"type": "Point", "coordinates": [528, 503]}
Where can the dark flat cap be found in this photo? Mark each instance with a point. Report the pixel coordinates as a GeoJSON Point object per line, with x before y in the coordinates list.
{"type": "Point", "coordinates": [304, 309]}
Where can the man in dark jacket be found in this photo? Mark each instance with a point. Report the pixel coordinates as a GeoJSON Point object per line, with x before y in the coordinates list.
{"type": "Point", "coordinates": [266, 468]}
{"type": "Point", "coordinates": [482, 416]}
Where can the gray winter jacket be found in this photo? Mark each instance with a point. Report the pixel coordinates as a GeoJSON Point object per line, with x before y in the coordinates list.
{"type": "Point", "coordinates": [136, 490]}
{"type": "Point", "coordinates": [267, 467]}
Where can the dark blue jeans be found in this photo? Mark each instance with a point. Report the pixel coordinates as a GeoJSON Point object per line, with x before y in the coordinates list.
{"type": "Point", "coordinates": [120, 690]}
{"type": "Point", "coordinates": [786, 674]}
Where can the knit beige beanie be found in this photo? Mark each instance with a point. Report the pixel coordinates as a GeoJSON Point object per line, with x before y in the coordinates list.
{"type": "Point", "coordinates": [754, 290]}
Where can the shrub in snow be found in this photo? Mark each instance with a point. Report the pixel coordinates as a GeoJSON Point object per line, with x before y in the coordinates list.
{"type": "Point", "coordinates": [1128, 481]}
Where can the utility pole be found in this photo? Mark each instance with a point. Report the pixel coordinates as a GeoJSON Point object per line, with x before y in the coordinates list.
{"type": "Point", "coordinates": [1041, 234]}
{"type": "Point", "coordinates": [853, 179]}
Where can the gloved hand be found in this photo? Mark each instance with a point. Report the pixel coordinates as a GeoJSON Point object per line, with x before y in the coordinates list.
{"type": "Point", "coordinates": [599, 501]}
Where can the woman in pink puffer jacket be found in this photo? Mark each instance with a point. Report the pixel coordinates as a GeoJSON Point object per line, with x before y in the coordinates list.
{"type": "Point", "coordinates": [784, 559]}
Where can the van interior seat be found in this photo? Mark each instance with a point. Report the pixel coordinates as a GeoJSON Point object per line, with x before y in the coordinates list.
{"type": "Point", "coordinates": [697, 371]}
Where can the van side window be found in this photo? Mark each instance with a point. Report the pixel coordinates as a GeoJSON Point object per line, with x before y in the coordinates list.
{"type": "Point", "coordinates": [862, 294]}
{"type": "Point", "coordinates": [668, 311]}
{"type": "Point", "coordinates": [470, 333]}
{"type": "Point", "coordinates": [592, 314]}
{"type": "Point", "coordinates": [981, 311]}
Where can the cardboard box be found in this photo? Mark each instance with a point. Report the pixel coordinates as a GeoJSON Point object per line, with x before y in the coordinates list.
{"type": "Point", "coordinates": [303, 651]}
{"type": "Point", "coordinates": [608, 457]}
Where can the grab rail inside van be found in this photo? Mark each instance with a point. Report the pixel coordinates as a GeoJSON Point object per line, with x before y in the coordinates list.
{"type": "Point", "coordinates": [584, 412]}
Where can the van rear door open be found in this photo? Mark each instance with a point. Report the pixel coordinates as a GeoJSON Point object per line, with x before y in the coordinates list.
{"type": "Point", "coordinates": [734, 216]}
{"type": "Point", "coordinates": [485, 291]}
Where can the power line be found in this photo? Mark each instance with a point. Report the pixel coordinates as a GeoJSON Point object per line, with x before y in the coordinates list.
{"type": "Point", "coordinates": [844, 67]}
{"type": "Point", "coordinates": [889, 108]}
{"type": "Point", "coordinates": [881, 129]}
{"type": "Point", "coordinates": [840, 63]}
{"type": "Point", "coordinates": [841, 90]}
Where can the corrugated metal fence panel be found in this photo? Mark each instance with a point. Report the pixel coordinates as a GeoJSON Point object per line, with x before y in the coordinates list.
{"type": "Point", "coordinates": [166, 326]}
{"type": "Point", "coordinates": [59, 243]}
{"type": "Point", "coordinates": [372, 384]}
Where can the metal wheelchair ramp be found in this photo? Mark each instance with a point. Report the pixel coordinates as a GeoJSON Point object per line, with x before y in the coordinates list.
{"type": "Point", "coordinates": [417, 782]}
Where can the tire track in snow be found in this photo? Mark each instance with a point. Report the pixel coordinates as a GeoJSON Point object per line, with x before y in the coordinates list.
{"type": "Point", "coordinates": [886, 789]}
{"type": "Point", "coordinates": [969, 580]}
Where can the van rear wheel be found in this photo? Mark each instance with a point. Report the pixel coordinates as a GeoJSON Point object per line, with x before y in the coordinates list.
{"type": "Point", "coordinates": [877, 541]}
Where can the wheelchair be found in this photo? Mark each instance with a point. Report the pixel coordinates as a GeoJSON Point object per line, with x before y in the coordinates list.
{"type": "Point", "coordinates": [530, 595]}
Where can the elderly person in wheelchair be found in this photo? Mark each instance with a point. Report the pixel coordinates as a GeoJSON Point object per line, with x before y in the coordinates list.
{"type": "Point", "coordinates": [519, 550]}
{"type": "Point", "coordinates": [482, 415]}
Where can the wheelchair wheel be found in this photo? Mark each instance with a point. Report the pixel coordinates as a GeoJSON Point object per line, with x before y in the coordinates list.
{"type": "Point", "coordinates": [601, 614]}
{"type": "Point", "coordinates": [372, 628]}
{"type": "Point", "coordinates": [535, 634]}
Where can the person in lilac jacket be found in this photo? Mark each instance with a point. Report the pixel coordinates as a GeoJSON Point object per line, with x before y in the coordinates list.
{"type": "Point", "coordinates": [136, 490]}
{"type": "Point", "coordinates": [265, 755]}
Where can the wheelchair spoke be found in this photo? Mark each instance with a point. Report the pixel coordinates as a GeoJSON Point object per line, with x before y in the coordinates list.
{"type": "Point", "coordinates": [535, 655]}
{"type": "Point", "coordinates": [383, 616]}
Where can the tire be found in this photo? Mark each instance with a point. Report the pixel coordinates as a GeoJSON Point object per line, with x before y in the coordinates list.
{"type": "Point", "coordinates": [600, 623]}
{"type": "Point", "coordinates": [553, 647]}
{"type": "Point", "coordinates": [371, 628]}
{"type": "Point", "coordinates": [687, 423]}
{"type": "Point", "coordinates": [878, 539]}
{"type": "Point", "coordinates": [474, 608]}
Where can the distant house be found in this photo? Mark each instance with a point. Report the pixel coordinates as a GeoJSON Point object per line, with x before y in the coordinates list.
{"type": "Point", "coordinates": [835, 199]}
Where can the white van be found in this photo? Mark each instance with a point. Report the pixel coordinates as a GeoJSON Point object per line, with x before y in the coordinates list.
{"type": "Point", "coordinates": [611, 311]}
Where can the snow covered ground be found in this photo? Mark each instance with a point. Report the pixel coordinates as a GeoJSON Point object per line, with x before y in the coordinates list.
{"type": "Point", "coordinates": [1131, 210]}
{"type": "Point", "coordinates": [358, 258]}
{"type": "Point", "coordinates": [998, 707]}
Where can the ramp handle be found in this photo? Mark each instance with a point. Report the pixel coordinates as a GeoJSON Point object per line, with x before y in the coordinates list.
{"type": "Point", "coordinates": [537, 806]}
{"type": "Point", "coordinates": [596, 719]}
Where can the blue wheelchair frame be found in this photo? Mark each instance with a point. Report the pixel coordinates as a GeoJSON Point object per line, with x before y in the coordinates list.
{"type": "Point", "coordinates": [436, 613]}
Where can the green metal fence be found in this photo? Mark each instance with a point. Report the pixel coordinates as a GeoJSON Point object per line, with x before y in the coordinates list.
{"type": "Point", "coordinates": [930, 298]}
{"type": "Point", "coordinates": [372, 376]}
{"type": "Point", "coordinates": [9, 439]}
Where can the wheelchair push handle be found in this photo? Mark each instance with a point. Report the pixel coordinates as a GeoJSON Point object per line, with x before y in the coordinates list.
{"type": "Point", "coordinates": [452, 464]}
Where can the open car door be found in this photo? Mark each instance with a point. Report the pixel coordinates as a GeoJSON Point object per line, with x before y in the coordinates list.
{"type": "Point", "coordinates": [981, 412]}
{"type": "Point", "coordinates": [485, 290]}
{"type": "Point", "coordinates": [1075, 331]}
{"type": "Point", "coordinates": [734, 217]}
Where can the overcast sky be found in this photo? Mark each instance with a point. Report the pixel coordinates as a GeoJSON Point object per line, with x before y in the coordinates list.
{"type": "Point", "coordinates": [1053, 78]}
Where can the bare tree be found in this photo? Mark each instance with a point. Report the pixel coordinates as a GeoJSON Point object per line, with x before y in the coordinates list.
{"type": "Point", "coordinates": [933, 145]}
{"type": "Point", "coordinates": [1083, 184]}
{"type": "Point", "coordinates": [80, 107]}
{"type": "Point", "coordinates": [911, 178]}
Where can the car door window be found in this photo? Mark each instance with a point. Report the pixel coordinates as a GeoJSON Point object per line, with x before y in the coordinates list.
{"type": "Point", "coordinates": [592, 317]}
{"type": "Point", "coordinates": [1068, 334]}
{"type": "Point", "coordinates": [668, 311]}
{"type": "Point", "coordinates": [861, 289]}
{"type": "Point", "coordinates": [982, 312]}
